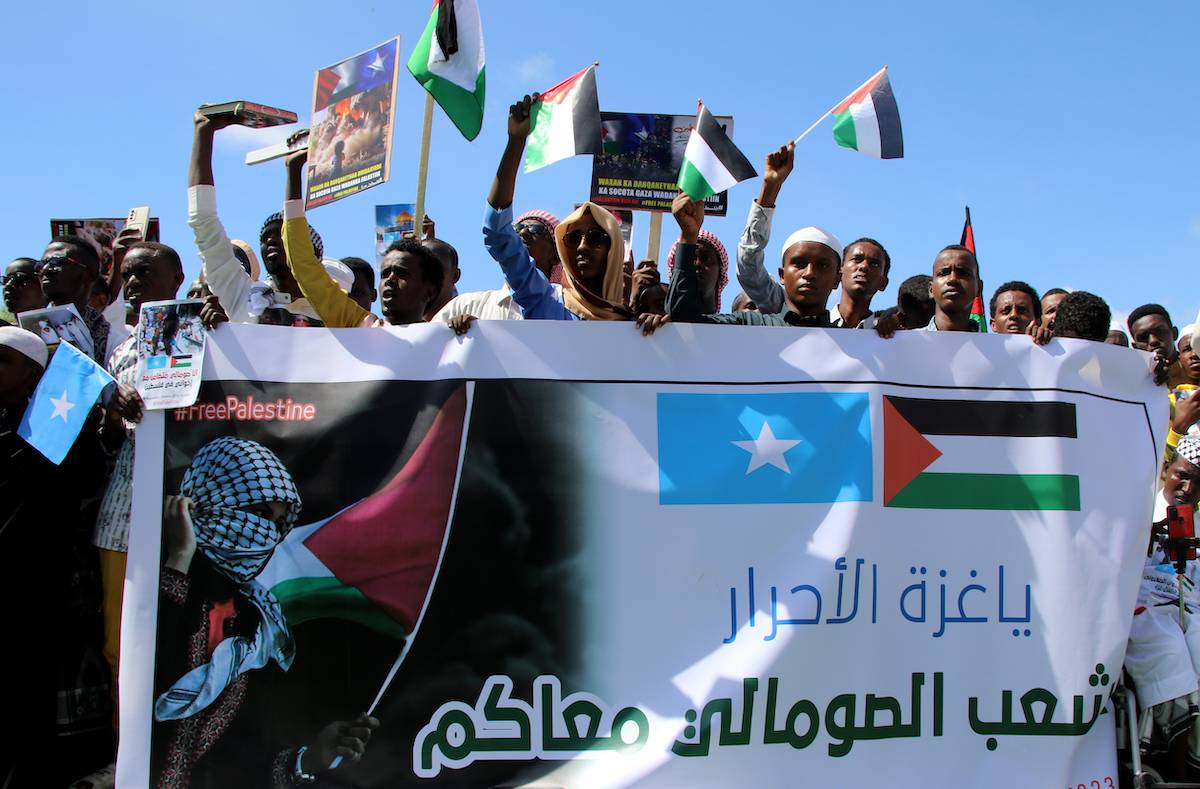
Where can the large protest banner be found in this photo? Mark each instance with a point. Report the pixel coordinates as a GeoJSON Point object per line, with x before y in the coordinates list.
{"type": "Point", "coordinates": [640, 163]}
{"type": "Point", "coordinates": [715, 557]}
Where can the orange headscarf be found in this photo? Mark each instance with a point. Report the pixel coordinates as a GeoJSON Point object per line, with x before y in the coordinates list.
{"type": "Point", "coordinates": [608, 305]}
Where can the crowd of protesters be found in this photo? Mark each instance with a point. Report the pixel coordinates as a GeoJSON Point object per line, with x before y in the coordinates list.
{"type": "Point", "coordinates": [64, 529]}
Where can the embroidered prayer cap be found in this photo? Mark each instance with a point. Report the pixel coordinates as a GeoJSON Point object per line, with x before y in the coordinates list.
{"type": "Point", "coordinates": [706, 238]}
{"type": "Point", "coordinates": [25, 343]}
{"type": "Point", "coordinates": [813, 233]}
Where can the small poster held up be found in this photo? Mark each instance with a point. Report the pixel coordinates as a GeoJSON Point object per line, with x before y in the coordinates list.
{"type": "Point", "coordinates": [642, 157]}
{"type": "Point", "coordinates": [350, 142]}
{"type": "Point", "coordinates": [100, 232]}
{"type": "Point", "coordinates": [391, 223]}
{"type": "Point", "coordinates": [57, 323]}
{"type": "Point", "coordinates": [170, 347]}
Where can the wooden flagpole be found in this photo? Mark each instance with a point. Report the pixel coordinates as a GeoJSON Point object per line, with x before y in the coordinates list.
{"type": "Point", "coordinates": [654, 236]}
{"type": "Point", "coordinates": [423, 168]}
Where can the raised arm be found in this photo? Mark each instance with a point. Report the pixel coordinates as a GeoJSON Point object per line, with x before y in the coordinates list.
{"type": "Point", "coordinates": [505, 183]}
{"type": "Point", "coordinates": [335, 307]}
{"type": "Point", "coordinates": [759, 284]}
{"type": "Point", "coordinates": [684, 304]}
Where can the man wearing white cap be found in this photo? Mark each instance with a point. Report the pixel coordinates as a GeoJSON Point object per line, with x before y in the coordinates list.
{"type": "Point", "coordinates": [22, 359]}
{"type": "Point", "coordinates": [810, 270]}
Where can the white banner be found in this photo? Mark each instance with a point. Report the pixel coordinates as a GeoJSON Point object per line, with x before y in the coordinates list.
{"type": "Point", "coordinates": [717, 556]}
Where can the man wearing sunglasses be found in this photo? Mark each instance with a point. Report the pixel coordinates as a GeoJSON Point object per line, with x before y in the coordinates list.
{"type": "Point", "coordinates": [67, 271]}
{"type": "Point", "coordinates": [22, 290]}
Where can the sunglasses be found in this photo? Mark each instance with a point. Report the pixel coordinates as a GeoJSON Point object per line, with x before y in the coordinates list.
{"type": "Point", "coordinates": [57, 262]}
{"type": "Point", "coordinates": [19, 279]}
{"type": "Point", "coordinates": [594, 237]}
{"type": "Point", "coordinates": [532, 228]}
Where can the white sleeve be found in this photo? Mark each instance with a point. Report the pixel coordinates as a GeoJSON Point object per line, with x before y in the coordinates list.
{"type": "Point", "coordinates": [224, 273]}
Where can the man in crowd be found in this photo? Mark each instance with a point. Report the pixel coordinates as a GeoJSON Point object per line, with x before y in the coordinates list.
{"type": "Point", "coordinates": [1189, 360]}
{"type": "Point", "coordinates": [1014, 306]}
{"type": "Point", "coordinates": [1050, 302]}
{"type": "Point", "coordinates": [914, 304]}
{"type": "Point", "coordinates": [448, 256]}
{"type": "Point", "coordinates": [224, 272]}
{"type": "Point", "coordinates": [809, 272]}
{"type": "Point", "coordinates": [589, 244]}
{"type": "Point", "coordinates": [1151, 329]}
{"type": "Point", "coordinates": [22, 289]}
{"type": "Point", "coordinates": [953, 286]}
{"type": "Point", "coordinates": [363, 291]}
{"type": "Point", "coordinates": [68, 269]}
{"type": "Point", "coordinates": [712, 265]}
{"type": "Point", "coordinates": [1117, 336]}
{"type": "Point", "coordinates": [1083, 316]}
{"type": "Point", "coordinates": [149, 272]}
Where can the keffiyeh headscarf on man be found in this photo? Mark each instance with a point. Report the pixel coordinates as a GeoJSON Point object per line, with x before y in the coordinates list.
{"type": "Point", "coordinates": [318, 244]}
{"type": "Point", "coordinates": [226, 475]}
{"type": "Point", "coordinates": [715, 244]}
{"type": "Point", "coordinates": [1188, 448]}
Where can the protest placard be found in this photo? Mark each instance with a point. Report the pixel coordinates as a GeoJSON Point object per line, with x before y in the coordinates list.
{"type": "Point", "coordinates": [640, 164]}
{"type": "Point", "coordinates": [350, 137]}
{"type": "Point", "coordinates": [600, 568]}
{"type": "Point", "coordinates": [391, 223]}
{"type": "Point", "coordinates": [170, 346]}
{"type": "Point", "coordinates": [57, 323]}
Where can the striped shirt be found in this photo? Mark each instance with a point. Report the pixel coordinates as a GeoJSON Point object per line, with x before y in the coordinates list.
{"type": "Point", "coordinates": [112, 523]}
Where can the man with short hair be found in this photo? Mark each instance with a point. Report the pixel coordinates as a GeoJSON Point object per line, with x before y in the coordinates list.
{"type": "Point", "coordinates": [1050, 302]}
{"type": "Point", "coordinates": [149, 272]}
{"type": "Point", "coordinates": [1083, 316]}
{"type": "Point", "coordinates": [68, 269]}
{"type": "Point", "coordinates": [448, 256]}
{"type": "Point", "coordinates": [810, 270]}
{"type": "Point", "coordinates": [743, 303]}
{"type": "Point", "coordinates": [1117, 337]}
{"type": "Point", "coordinates": [953, 287]}
{"type": "Point", "coordinates": [1013, 307]}
{"type": "Point", "coordinates": [1189, 360]}
{"type": "Point", "coordinates": [22, 289]}
{"type": "Point", "coordinates": [914, 305]}
{"type": "Point", "coordinates": [363, 291]}
{"type": "Point", "coordinates": [1151, 329]}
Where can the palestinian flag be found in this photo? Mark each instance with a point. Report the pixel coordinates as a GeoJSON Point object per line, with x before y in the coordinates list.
{"type": "Point", "coordinates": [181, 361]}
{"type": "Point", "coordinates": [978, 317]}
{"type": "Point", "coordinates": [375, 561]}
{"type": "Point", "coordinates": [868, 120]}
{"type": "Point", "coordinates": [711, 162]}
{"type": "Point", "coordinates": [448, 62]}
{"type": "Point", "coordinates": [566, 121]}
{"type": "Point", "coordinates": [976, 430]}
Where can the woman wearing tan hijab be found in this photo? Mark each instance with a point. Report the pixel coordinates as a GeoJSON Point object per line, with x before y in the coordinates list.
{"type": "Point", "coordinates": [589, 244]}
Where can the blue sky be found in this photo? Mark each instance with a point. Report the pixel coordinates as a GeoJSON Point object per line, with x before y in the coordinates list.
{"type": "Point", "coordinates": [1066, 127]}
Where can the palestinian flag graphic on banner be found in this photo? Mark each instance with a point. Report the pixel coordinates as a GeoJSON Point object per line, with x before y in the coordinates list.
{"type": "Point", "coordinates": [711, 162]}
{"type": "Point", "coordinates": [976, 429]}
{"type": "Point", "coordinates": [868, 120]}
{"type": "Point", "coordinates": [978, 317]}
{"type": "Point", "coordinates": [448, 62]}
{"type": "Point", "coordinates": [565, 121]}
{"type": "Point", "coordinates": [375, 561]}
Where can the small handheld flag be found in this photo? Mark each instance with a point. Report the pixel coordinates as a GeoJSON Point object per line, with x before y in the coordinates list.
{"type": "Point", "coordinates": [566, 121]}
{"type": "Point", "coordinates": [711, 162]}
{"type": "Point", "coordinates": [448, 62]}
{"type": "Point", "coordinates": [968, 240]}
{"type": "Point", "coordinates": [868, 120]}
{"type": "Point", "coordinates": [61, 402]}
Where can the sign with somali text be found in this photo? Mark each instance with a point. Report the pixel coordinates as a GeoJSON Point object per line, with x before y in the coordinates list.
{"type": "Point", "coordinates": [350, 137]}
{"type": "Point", "coordinates": [571, 559]}
{"type": "Point", "coordinates": [170, 349]}
{"type": "Point", "coordinates": [639, 168]}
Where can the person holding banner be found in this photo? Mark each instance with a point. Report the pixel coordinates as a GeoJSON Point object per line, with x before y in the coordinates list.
{"type": "Point", "coordinates": [589, 244]}
{"type": "Point", "coordinates": [221, 628]}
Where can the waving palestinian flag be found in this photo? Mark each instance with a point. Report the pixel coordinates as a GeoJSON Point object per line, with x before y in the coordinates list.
{"type": "Point", "coordinates": [566, 121]}
{"type": "Point", "coordinates": [711, 162]}
{"type": "Point", "coordinates": [868, 120]}
{"type": "Point", "coordinates": [448, 62]}
{"type": "Point", "coordinates": [375, 561]}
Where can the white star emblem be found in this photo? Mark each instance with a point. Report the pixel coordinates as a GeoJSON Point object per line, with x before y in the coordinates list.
{"type": "Point", "coordinates": [377, 63]}
{"type": "Point", "coordinates": [767, 450]}
{"type": "Point", "coordinates": [61, 406]}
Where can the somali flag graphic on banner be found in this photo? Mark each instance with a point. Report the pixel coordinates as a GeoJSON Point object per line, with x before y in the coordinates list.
{"type": "Point", "coordinates": [764, 448]}
{"type": "Point", "coordinates": [60, 405]}
{"type": "Point", "coordinates": [157, 362]}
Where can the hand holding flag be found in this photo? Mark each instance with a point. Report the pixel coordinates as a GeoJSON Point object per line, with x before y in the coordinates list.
{"type": "Point", "coordinates": [70, 386]}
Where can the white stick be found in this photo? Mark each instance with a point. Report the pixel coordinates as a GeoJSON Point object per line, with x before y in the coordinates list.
{"type": "Point", "coordinates": [804, 133]}
{"type": "Point", "coordinates": [655, 236]}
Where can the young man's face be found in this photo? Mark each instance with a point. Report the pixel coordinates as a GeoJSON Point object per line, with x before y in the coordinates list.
{"type": "Point", "coordinates": [863, 270]}
{"type": "Point", "coordinates": [362, 292]}
{"type": "Point", "coordinates": [405, 293]}
{"type": "Point", "coordinates": [1014, 312]}
{"type": "Point", "coordinates": [1050, 307]}
{"type": "Point", "coordinates": [22, 289]}
{"type": "Point", "coordinates": [1181, 482]}
{"type": "Point", "coordinates": [955, 281]}
{"type": "Point", "coordinates": [538, 239]}
{"type": "Point", "coordinates": [18, 376]}
{"type": "Point", "coordinates": [708, 265]}
{"type": "Point", "coordinates": [64, 277]}
{"type": "Point", "coordinates": [271, 248]}
{"type": "Point", "coordinates": [148, 277]}
{"type": "Point", "coordinates": [1155, 334]}
{"type": "Point", "coordinates": [1189, 359]}
{"type": "Point", "coordinates": [809, 273]}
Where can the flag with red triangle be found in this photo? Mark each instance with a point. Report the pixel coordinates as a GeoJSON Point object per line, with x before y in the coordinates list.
{"type": "Point", "coordinates": [375, 561]}
{"type": "Point", "coordinates": [978, 317]}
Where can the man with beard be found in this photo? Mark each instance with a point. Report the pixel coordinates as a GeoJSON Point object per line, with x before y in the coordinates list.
{"type": "Point", "coordinates": [223, 272]}
{"type": "Point", "coordinates": [410, 277]}
{"type": "Point", "coordinates": [22, 289]}
{"type": "Point", "coordinates": [68, 269]}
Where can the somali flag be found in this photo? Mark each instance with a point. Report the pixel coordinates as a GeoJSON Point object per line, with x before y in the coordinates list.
{"type": "Point", "coordinates": [356, 74]}
{"type": "Point", "coordinates": [70, 386]}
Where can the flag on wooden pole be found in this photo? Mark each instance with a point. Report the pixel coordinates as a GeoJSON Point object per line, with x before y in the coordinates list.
{"type": "Point", "coordinates": [448, 62]}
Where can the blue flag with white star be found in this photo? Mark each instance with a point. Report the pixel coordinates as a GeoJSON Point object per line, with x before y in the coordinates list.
{"type": "Point", "coordinates": [764, 448]}
{"type": "Point", "coordinates": [60, 405]}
